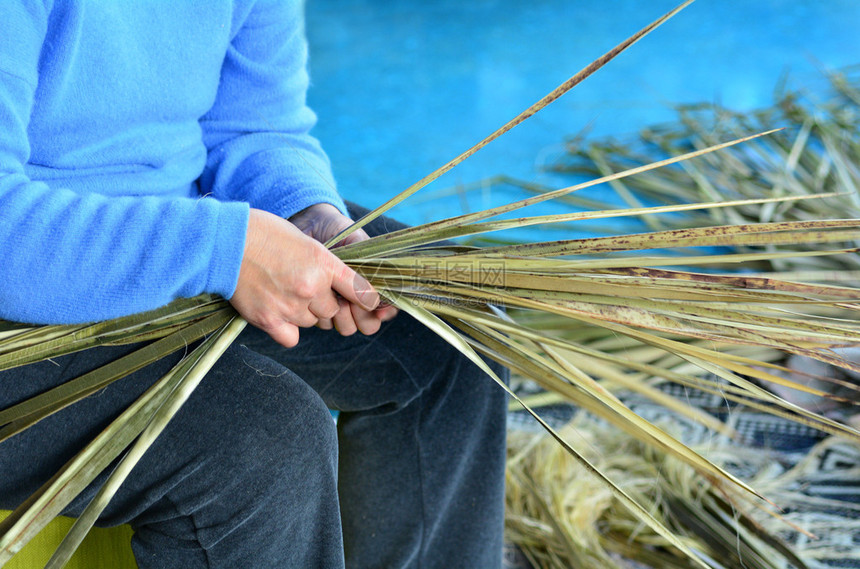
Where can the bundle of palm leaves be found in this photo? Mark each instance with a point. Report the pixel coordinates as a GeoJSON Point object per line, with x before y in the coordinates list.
{"type": "Point", "coordinates": [462, 293]}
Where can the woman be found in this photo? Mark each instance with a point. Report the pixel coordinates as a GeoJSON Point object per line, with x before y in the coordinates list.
{"type": "Point", "coordinates": [155, 150]}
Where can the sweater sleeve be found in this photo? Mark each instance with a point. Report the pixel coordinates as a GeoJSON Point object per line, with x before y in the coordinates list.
{"type": "Point", "coordinates": [67, 257]}
{"type": "Point", "coordinates": [257, 132]}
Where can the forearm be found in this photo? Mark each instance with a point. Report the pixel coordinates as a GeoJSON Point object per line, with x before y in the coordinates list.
{"type": "Point", "coordinates": [71, 258]}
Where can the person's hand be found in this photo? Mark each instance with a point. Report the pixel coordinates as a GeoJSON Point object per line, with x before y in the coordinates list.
{"type": "Point", "coordinates": [289, 280]}
{"type": "Point", "coordinates": [322, 222]}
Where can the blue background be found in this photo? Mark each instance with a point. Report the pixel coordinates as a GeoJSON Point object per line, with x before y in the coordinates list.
{"type": "Point", "coordinates": [401, 87]}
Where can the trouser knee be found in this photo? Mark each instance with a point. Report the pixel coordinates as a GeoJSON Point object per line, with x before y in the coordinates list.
{"type": "Point", "coordinates": [280, 425]}
{"type": "Point", "coordinates": [251, 433]}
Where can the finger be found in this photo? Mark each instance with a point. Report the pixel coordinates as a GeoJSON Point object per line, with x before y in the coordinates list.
{"type": "Point", "coordinates": [325, 324]}
{"type": "Point", "coordinates": [353, 287]}
{"type": "Point", "coordinates": [387, 312]}
{"type": "Point", "coordinates": [354, 237]}
{"type": "Point", "coordinates": [304, 320]}
{"type": "Point", "coordinates": [343, 320]}
{"type": "Point", "coordinates": [297, 313]}
{"type": "Point", "coordinates": [285, 334]}
{"type": "Point", "coordinates": [368, 322]}
{"type": "Point", "coordinates": [324, 306]}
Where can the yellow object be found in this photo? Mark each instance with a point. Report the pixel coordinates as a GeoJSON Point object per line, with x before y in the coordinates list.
{"type": "Point", "coordinates": [103, 548]}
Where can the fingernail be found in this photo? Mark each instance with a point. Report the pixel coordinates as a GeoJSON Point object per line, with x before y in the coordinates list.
{"type": "Point", "coordinates": [368, 297]}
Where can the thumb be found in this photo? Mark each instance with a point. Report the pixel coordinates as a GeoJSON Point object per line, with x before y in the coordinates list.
{"type": "Point", "coordinates": [353, 287]}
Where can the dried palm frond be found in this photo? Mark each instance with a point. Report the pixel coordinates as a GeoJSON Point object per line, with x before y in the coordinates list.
{"type": "Point", "coordinates": [458, 293]}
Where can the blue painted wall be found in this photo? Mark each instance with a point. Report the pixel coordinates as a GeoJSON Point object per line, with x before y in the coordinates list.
{"type": "Point", "coordinates": [401, 86]}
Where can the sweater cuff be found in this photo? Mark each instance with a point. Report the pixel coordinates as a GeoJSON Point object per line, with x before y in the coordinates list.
{"type": "Point", "coordinates": [229, 248]}
{"type": "Point", "coordinates": [297, 201]}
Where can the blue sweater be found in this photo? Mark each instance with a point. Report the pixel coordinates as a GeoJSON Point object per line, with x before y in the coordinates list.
{"type": "Point", "coordinates": [134, 137]}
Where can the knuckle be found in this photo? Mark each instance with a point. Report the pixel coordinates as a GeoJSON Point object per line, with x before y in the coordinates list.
{"type": "Point", "coordinates": [332, 311]}
{"type": "Point", "coordinates": [307, 285]}
{"type": "Point", "coordinates": [307, 320]}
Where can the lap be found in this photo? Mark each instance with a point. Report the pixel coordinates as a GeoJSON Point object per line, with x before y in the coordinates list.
{"type": "Point", "coordinates": [245, 398]}
{"type": "Point", "coordinates": [251, 389]}
{"type": "Point", "coordinates": [361, 373]}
